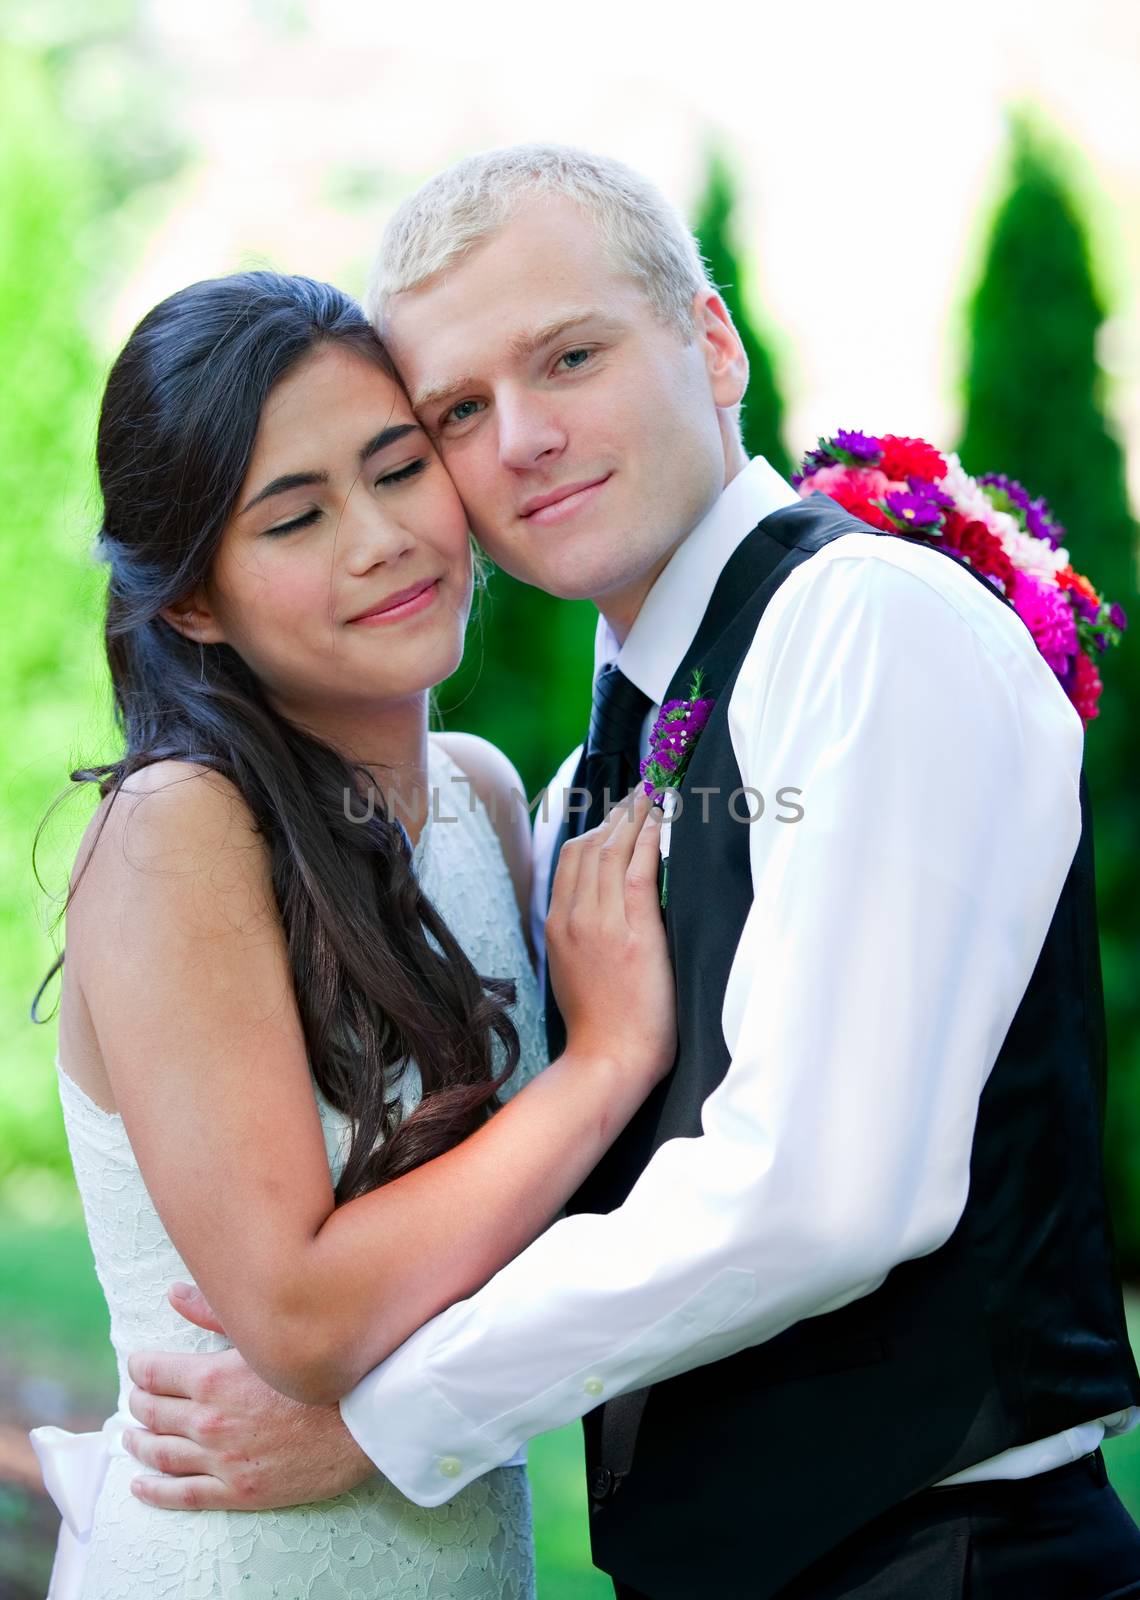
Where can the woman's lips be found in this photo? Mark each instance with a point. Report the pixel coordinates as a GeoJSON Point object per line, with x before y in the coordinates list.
{"type": "Point", "coordinates": [406, 608]}
{"type": "Point", "coordinates": [568, 506]}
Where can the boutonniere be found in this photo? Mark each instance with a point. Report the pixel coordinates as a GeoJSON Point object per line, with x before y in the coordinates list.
{"type": "Point", "coordinates": [673, 739]}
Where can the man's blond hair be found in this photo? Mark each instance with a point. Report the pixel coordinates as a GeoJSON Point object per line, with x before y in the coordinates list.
{"type": "Point", "coordinates": [644, 236]}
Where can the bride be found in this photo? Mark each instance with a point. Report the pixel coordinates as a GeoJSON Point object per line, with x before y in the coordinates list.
{"type": "Point", "coordinates": [297, 983]}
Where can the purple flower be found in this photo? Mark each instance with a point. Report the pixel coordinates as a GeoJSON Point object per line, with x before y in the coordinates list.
{"type": "Point", "coordinates": [859, 447]}
{"type": "Point", "coordinates": [812, 462]}
{"type": "Point", "coordinates": [1010, 487]}
{"type": "Point", "coordinates": [930, 491]}
{"type": "Point", "coordinates": [1036, 517]}
{"type": "Point", "coordinates": [849, 448]}
{"type": "Point", "coordinates": [671, 742]}
{"type": "Point", "coordinates": [1042, 524]}
{"type": "Point", "coordinates": [914, 511]}
{"type": "Point", "coordinates": [1118, 618]}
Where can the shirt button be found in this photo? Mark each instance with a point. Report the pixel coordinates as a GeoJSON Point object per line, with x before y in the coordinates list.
{"type": "Point", "coordinates": [450, 1466]}
{"type": "Point", "coordinates": [594, 1386]}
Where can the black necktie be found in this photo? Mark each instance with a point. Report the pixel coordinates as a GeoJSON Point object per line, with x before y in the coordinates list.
{"type": "Point", "coordinates": [611, 762]}
{"type": "Point", "coordinates": [613, 747]}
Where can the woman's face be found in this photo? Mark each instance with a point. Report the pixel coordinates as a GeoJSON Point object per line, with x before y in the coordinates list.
{"type": "Point", "coordinates": [345, 510]}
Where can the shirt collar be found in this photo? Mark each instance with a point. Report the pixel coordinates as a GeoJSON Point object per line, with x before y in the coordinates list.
{"type": "Point", "coordinates": [671, 612]}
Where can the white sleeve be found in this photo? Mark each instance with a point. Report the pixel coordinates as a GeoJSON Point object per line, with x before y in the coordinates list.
{"type": "Point", "coordinates": [892, 935]}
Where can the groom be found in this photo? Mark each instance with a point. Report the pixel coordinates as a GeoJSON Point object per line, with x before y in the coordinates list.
{"type": "Point", "coordinates": [839, 1307]}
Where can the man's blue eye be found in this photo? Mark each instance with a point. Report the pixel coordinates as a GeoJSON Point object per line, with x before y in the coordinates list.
{"type": "Point", "coordinates": [569, 358]}
{"type": "Point", "coordinates": [459, 414]}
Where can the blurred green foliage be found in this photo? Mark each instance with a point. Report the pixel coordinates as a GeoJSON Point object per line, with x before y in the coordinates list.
{"type": "Point", "coordinates": [524, 682]}
{"type": "Point", "coordinates": [763, 412]}
{"type": "Point", "coordinates": [49, 710]}
{"type": "Point", "coordinates": [1036, 411]}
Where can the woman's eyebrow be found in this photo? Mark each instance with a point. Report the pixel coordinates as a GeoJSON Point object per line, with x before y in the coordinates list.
{"type": "Point", "coordinates": [387, 436]}
{"type": "Point", "coordinates": [302, 480]}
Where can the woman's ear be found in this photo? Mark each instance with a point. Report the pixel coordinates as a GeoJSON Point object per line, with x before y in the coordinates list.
{"type": "Point", "coordinates": [195, 619]}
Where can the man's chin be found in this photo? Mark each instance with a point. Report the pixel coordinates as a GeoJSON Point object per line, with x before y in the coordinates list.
{"type": "Point", "coordinates": [563, 585]}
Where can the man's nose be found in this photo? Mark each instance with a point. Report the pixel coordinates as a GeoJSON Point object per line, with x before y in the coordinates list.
{"type": "Point", "coordinates": [528, 432]}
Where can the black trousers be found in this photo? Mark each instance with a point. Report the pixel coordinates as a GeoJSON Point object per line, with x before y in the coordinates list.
{"type": "Point", "coordinates": [1063, 1535]}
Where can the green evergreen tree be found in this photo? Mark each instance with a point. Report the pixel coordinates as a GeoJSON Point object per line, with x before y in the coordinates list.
{"type": "Point", "coordinates": [49, 381]}
{"type": "Point", "coordinates": [763, 410]}
{"type": "Point", "coordinates": [525, 678]}
{"type": "Point", "coordinates": [1035, 410]}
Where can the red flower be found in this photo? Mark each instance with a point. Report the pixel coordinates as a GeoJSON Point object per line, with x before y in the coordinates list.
{"type": "Point", "coordinates": [905, 458]}
{"type": "Point", "coordinates": [856, 490]}
{"type": "Point", "coordinates": [1068, 579]}
{"type": "Point", "coordinates": [867, 511]}
{"type": "Point", "coordinates": [1086, 687]}
{"type": "Point", "coordinates": [982, 549]}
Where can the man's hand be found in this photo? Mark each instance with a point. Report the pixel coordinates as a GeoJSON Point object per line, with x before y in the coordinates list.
{"type": "Point", "coordinates": [227, 1441]}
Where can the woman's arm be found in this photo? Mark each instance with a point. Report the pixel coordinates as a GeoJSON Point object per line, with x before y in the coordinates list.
{"type": "Point", "coordinates": [192, 999]}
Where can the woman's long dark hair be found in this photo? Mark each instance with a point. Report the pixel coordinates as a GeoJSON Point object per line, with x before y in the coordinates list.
{"type": "Point", "coordinates": [378, 977]}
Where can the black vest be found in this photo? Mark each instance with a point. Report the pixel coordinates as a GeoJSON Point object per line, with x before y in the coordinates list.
{"type": "Point", "coordinates": [734, 1477]}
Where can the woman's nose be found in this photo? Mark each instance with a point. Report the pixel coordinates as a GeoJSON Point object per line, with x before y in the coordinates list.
{"type": "Point", "coordinates": [371, 534]}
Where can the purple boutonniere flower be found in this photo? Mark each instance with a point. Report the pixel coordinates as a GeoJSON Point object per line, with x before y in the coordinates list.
{"type": "Point", "coordinates": [671, 744]}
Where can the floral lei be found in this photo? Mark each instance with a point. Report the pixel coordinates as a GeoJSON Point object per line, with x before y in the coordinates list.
{"type": "Point", "coordinates": [906, 486]}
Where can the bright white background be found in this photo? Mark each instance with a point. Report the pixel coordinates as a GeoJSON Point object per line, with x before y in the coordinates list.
{"type": "Point", "coordinates": [868, 141]}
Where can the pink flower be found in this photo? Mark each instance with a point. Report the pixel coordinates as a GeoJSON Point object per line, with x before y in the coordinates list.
{"type": "Point", "coordinates": [1048, 616]}
{"type": "Point", "coordinates": [851, 482]}
{"type": "Point", "coordinates": [857, 489]}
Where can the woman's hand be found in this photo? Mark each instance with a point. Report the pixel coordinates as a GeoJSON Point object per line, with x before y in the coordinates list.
{"type": "Point", "coordinates": [605, 942]}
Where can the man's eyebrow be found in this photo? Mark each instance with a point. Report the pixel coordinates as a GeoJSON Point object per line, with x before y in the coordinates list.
{"type": "Point", "coordinates": [302, 480]}
{"type": "Point", "coordinates": [439, 392]}
{"type": "Point", "coordinates": [520, 346]}
{"type": "Point", "coordinates": [525, 344]}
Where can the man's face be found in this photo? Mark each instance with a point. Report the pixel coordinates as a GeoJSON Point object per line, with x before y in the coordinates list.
{"type": "Point", "coordinates": [586, 438]}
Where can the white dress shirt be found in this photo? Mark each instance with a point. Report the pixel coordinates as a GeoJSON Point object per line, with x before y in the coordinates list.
{"type": "Point", "coordinates": [892, 934]}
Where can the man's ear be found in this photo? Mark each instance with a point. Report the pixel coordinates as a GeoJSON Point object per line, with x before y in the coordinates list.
{"type": "Point", "coordinates": [194, 618]}
{"type": "Point", "coordinates": [723, 352]}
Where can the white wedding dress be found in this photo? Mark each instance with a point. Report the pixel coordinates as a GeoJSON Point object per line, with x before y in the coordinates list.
{"type": "Point", "coordinates": [365, 1545]}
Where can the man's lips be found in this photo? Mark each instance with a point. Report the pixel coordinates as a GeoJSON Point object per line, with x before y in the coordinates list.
{"type": "Point", "coordinates": [402, 603]}
{"type": "Point", "coordinates": [563, 501]}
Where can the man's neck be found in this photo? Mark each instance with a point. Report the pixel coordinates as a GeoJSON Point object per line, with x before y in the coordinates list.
{"type": "Point", "coordinates": [622, 607]}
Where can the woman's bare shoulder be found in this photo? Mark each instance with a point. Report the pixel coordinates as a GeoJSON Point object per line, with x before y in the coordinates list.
{"type": "Point", "coordinates": [183, 814]}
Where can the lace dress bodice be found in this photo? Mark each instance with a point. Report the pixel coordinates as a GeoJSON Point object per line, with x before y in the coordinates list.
{"type": "Point", "coordinates": [370, 1543]}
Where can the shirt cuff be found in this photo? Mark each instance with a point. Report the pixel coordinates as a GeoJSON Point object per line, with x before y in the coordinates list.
{"type": "Point", "coordinates": [390, 1422]}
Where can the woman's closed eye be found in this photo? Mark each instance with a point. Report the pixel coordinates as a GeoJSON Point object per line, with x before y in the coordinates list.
{"type": "Point", "coordinates": [401, 475]}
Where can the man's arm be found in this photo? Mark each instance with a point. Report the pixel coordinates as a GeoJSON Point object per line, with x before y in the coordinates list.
{"type": "Point", "coordinates": [893, 932]}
